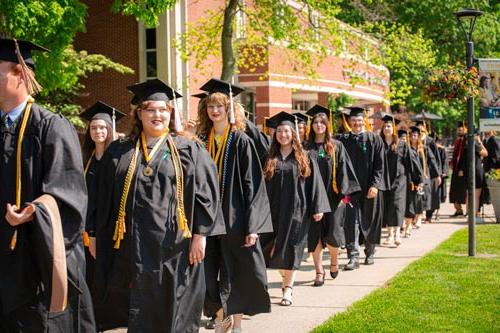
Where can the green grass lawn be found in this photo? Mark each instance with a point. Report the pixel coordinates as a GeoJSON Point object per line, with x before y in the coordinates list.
{"type": "Point", "coordinates": [445, 291]}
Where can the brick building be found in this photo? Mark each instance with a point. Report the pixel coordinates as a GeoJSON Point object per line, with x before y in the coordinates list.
{"type": "Point", "coordinates": [270, 89]}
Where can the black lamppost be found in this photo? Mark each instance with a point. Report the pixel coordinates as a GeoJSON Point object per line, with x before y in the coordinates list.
{"type": "Point", "coordinates": [467, 20]}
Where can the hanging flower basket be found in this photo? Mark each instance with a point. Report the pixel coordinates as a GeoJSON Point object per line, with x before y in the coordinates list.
{"type": "Point", "coordinates": [453, 82]}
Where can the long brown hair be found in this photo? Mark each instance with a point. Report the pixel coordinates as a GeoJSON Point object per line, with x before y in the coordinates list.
{"type": "Point", "coordinates": [327, 141]}
{"type": "Point", "coordinates": [395, 137]}
{"type": "Point", "coordinates": [205, 124]}
{"type": "Point", "coordinates": [298, 152]}
{"type": "Point", "coordinates": [89, 144]}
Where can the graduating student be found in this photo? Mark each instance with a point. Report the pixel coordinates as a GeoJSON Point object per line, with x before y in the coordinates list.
{"type": "Point", "coordinates": [302, 126]}
{"type": "Point", "coordinates": [443, 158]}
{"type": "Point", "coordinates": [403, 168]}
{"type": "Point", "coordinates": [420, 195]}
{"type": "Point", "coordinates": [366, 151]}
{"type": "Point", "coordinates": [297, 195]}
{"type": "Point", "coordinates": [339, 181]}
{"type": "Point", "coordinates": [458, 184]}
{"type": "Point", "coordinates": [158, 200]}
{"type": "Point", "coordinates": [42, 207]}
{"type": "Point", "coordinates": [433, 200]}
{"type": "Point", "coordinates": [243, 279]}
{"type": "Point", "coordinates": [102, 120]}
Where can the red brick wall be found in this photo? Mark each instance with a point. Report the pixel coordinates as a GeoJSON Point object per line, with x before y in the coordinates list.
{"type": "Point", "coordinates": [115, 36]}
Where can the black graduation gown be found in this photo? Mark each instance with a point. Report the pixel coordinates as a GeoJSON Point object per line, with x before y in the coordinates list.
{"type": "Point", "coordinates": [330, 230]}
{"type": "Point", "coordinates": [435, 196]}
{"type": "Point", "coordinates": [52, 165]}
{"type": "Point", "coordinates": [443, 191]}
{"type": "Point", "coordinates": [260, 140]}
{"type": "Point", "coordinates": [366, 151]}
{"type": "Point", "coordinates": [91, 179]}
{"type": "Point", "coordinates": [492, 161]}
{"type": "Point", "coordinates": [148, 284]}
{"type": "Point", "coordinates": [246, 211]}
{"type": "Point", "coordinates": [403, 168]}
{"type": "Point", "coordinates": [418, 203]}
{"type": "Point", "coordinates": [458, 184]}
{"type": "Point", "coordinates": [293, 200]}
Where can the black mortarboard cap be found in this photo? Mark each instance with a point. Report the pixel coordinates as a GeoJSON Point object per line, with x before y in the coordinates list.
{"type": "Point", "coordinates": [414, 129]}
{"type": "Point", "coordinates": [461, 123]}
{"type": "Point", "coordinates": [8, 51]}
{"type": "Point", "coordinates": [200, 95]}
{"type": "Point", "coordinates": [402, 132]}
{"type": "Point", "coordinates": [101, 111]}
{"type": "Point", "coordinates": [136, 100]}
{"type": "Point", "coordinates": [318, 109]}
{"type": "Point", "coordinates": [355, 111]}
{"type": "Point", "coordinates": [389, 118]}
{"type": "Point", "coordinates": [281, 118]}
{"type": "Point", "coordinates": [420, 122]}
{"type": "Point", "coordinates": [153, 90]}
{"type": "Point", "coordinates": [215, 85]}
{"type": "Point", "coordinates": [301, 117]}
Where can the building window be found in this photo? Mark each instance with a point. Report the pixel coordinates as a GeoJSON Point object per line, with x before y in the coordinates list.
{"type": "Point", "coordinates": [151, 64]}
{"type": "Point", "coordinates": [240, 22]}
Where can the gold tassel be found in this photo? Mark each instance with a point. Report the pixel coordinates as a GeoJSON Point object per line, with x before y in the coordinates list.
{"type": "Point", "coordinates": [32, 85]}
{"type": "Point", "coordinates": [331, 122]}
{"type": "Point", "coordinates": [86, 239]}
{"type": "Point", "coordinates": [368, 125]}
{"type": "Point", "coordinates": [264, 126]}
{"type": "Point", "coordinates": [345, 124]}
{"type": "Point", "coordinates": [308, 127]}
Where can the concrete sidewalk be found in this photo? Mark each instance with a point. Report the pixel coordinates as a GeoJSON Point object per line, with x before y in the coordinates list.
{"type": "Point", "coordinates": [314, 305]}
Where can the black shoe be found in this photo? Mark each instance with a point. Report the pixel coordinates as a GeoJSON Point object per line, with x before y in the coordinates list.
{"type": "Point", "coordinates": [352, 264]}
{"type": "Point", "coordinates": [458, 213]}
{"type": "Point", "coordinates": [321, 281]}
{"type": "Point", "coordinates": [334, 274]}
{"type": "Point", "coordinates": [369, 260]}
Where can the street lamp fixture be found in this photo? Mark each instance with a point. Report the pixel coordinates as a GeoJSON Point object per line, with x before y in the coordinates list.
{"type": "Point", "coordinates": [467, 21]}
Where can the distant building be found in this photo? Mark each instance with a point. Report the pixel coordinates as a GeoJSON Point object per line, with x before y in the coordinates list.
{"type": "Point", "coordinates": [270, 89]}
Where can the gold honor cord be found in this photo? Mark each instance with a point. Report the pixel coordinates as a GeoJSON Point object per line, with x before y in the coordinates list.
{"type": "Point", "coordinates": [179, 180]}
{"type": "Point", "coordinates": [179, 184]}
{"type": "Point", "coordinates": [87, 165]}
{"type": "Point", "coordinates": [334, 172]}
{"type": "Point", "coordinates": [218, 154]}
{"type": "Point", "coordinates": [24, 123]}
{"type": "Point", "coordinates": [346, 125]}
{"type": "Point", "coordinates": [120, 222]}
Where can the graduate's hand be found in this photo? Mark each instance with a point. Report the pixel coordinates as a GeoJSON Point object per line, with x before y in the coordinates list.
{"type": "Point", "coordinates": [317, 217]}
{"type": "Point", "coordinates": [15, 218]}
{"type": "Point", "coordinates": [92, 247]}
{"type": "Point", "coordinates": [191, 126]}
{"type": "Point", "coordinates": [420, 187]}
{"type": "Point", "coordinates": [438, 181]}
{"type": "Point", "coordinates": [460, 173]}
{"type": "Point", "coordinates": [372, 192]}
{"type": "Point", "coordinates": [250, 240]}
{"type": "Point", "coordinates": [197, 251]}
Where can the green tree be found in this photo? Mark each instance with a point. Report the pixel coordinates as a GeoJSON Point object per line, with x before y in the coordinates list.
{"type": "Point", "coordinates": [307, 33]}
{"type": "Point", "coordinates": [429, 24]}
{"type": "Point", "coordinates": [54, 24]}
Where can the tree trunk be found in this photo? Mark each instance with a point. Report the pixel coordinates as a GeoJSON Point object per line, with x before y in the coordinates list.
{"type": "Point", "coordinates": [228, 60]}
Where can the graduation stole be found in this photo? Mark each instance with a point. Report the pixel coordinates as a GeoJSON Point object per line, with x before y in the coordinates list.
{"type": "Point", "coordinates": [24, 123]}
{"type": "Point", "coordinates": [220, 154]}
{"type": "Point", "coordinates": [334, 172]}
{"type": "Point", "coordinates": [179, 183]}
{"type": "Point", "coordinates": [85, 235]}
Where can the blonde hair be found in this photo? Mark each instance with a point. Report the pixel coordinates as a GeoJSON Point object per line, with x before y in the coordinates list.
{"type": "Point", "coordinates": [219, 99]}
